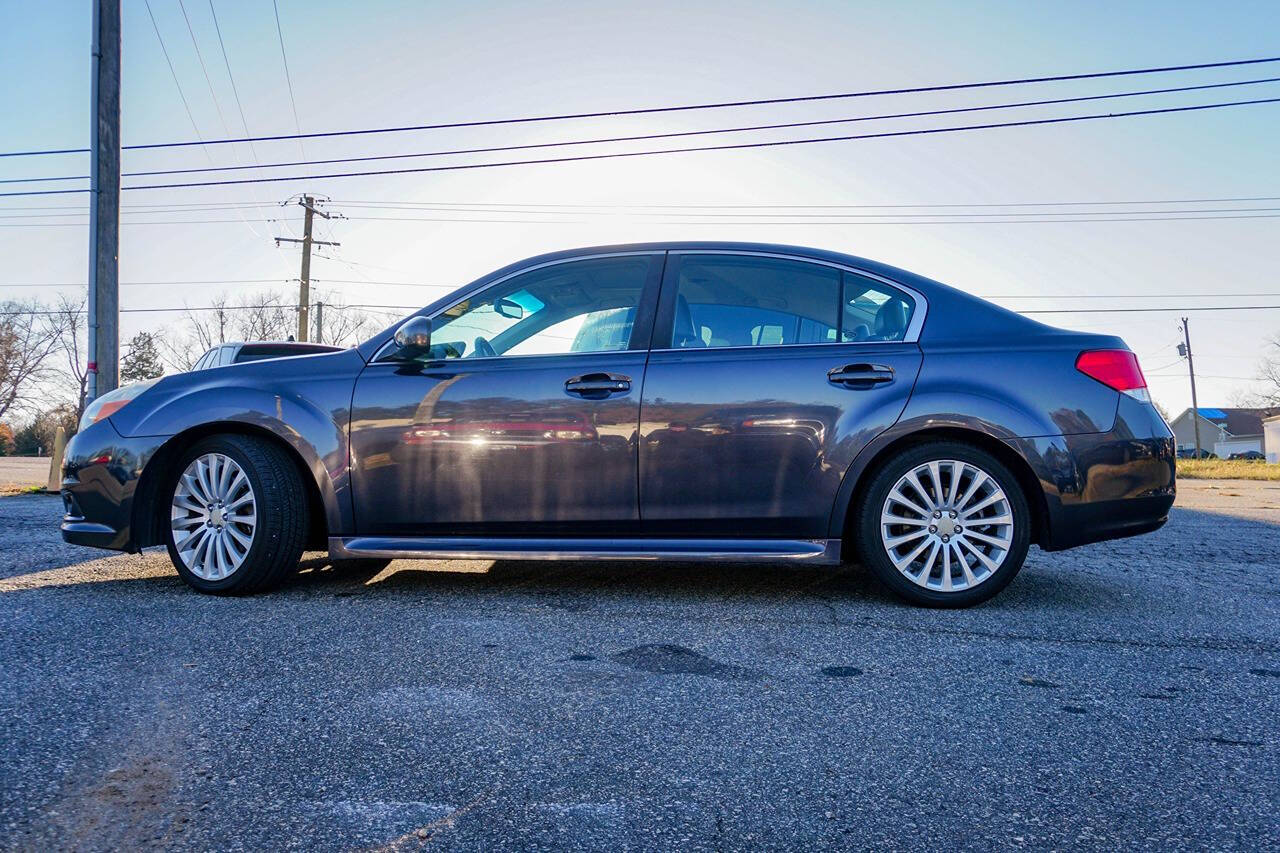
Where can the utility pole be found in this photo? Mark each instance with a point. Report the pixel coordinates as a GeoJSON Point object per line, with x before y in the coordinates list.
{"type": "Point", "coordinates": [308, 203]}
{"type": "Point", "coordinates": [319, 322]}
{"type": "Point", "coordinates": [104, 202]}
{"type": "Point", "coordinates": [1184, 349]}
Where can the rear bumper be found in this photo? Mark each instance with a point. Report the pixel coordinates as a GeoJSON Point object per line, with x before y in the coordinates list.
{"type": "Point", "coordinates": [100, 474]}
{"type": "Point", "coordinates": [1105, 485]}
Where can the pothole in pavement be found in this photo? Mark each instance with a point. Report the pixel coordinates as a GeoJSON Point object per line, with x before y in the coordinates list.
{"type": "Point", "coordinates": [664, 659]}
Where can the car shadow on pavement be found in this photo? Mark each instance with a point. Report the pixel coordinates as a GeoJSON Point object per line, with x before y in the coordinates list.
{"type": "Point", "coordinates": [1119, 576]}
{"type": "Point", "coordinates": [577, 585]}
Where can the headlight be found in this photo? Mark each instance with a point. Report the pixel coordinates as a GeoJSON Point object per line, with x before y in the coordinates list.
{"type": "Point", "coordinates": [111, 402]}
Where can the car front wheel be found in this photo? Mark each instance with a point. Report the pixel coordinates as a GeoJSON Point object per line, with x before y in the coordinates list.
{"type": "Point", "coordinates": [944, 524]}
{"type": "Point", "coordinates": [237, 519]}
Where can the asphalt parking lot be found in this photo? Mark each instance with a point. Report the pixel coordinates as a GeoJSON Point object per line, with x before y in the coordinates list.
{"type": "Point", "coordinates": [1126, 694]}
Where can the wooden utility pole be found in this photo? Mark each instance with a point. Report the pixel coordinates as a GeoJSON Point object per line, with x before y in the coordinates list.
{"type": "Point", "coordinates": [1191, 367]}
{"type": "Point", "coordinates": [308, 203]}
{"type": "Point", "coordinates": [104, 203]}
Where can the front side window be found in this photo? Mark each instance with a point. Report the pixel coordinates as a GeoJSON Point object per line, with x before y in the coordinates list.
{"type": "Point", "coordinates": [742, 300]}
{"type": "Point", "coordinates": [578, 306]}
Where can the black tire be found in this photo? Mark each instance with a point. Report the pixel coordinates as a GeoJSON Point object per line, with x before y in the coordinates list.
{"type": "Point", "coordinates": [281, 508]}
{"type": "Point", "coordinates": [866, 529]}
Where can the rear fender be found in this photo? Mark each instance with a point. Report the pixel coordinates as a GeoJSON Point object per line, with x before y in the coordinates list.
{"type": "Point", "coordinates": [1042, 464]}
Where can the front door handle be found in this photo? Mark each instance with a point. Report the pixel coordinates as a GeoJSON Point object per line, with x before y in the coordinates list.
{"type": "Point", "coordinates": [861, 375]}
{"type": "Point", "coordinates": [596, 386]}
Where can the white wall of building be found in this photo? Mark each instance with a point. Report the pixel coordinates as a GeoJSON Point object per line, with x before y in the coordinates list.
{"type": "Point", "coordinates": [1271, 439]}
{"type": "Point", "coordinates": [1224, 449]}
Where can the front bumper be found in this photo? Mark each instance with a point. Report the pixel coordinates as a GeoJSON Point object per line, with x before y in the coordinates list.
{"type": "Point", "coordinates": [100, 474]}
{"type": "Point", "coordinates": [1108, 485]}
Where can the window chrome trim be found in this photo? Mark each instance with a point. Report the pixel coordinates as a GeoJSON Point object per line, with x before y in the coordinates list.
{"type": "Point", "coordinates": [912, 335]}
{"type": "Point", "coordinates": [481, 288]}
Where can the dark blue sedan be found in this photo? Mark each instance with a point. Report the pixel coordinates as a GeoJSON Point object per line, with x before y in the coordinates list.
{"type": "Point", "coordinates": [687, 401]}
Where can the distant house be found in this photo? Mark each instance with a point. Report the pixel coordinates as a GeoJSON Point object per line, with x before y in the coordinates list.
{"type": "Point", "coordinates": [1271, 438]}
{"type": "Point", "coordinates": [1223, 431]}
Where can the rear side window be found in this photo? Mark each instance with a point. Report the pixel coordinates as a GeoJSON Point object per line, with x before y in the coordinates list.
{"type": "Point", "coordinates": [743, 300]}
{"type": "Point", "coordinates": [873, 311]}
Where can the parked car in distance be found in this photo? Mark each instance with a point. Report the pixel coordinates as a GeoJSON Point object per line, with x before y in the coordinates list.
{"type": "Point", "coordinates": [1249, 456]}
{"type": "Point", "coordinates": [691, 401]}
{"type": "Point", "coordinates": [239, 352]}
{"type": "Point", "coordinates": [1190, 453]}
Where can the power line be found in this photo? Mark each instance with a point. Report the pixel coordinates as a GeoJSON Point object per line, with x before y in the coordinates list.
{"type": "Point", "coordinates": [1126, 296]}
{"type": "Point", "coordinates": [762, 205]}
{"type": "Point", "coordinates": [173, 72]}
{"type": "Point", "coordinates": [468, 205]}
{"type": "Point", "coordinates": [207, 79]}
{"type": "Point", "coordinates": [649, 136]}
{"type": "Point", "coordinates": [681, 223]}
{"type": "Point", "coordinates": [666, 109]}
{"type": "Point", "coordinates": [241, 220]}
{"type": "Point", "coordinates": [1201, 376]}
{"type": "Point", "coordinates": [1148, 310]}
{"type": "Point", "coordinates": [748, 217]}
{"type": "Point", "coordinates": [745, 218]}
{"type": "Point", "coordinates": [683, 150]}
{"type": "Point", "coordinates": [692, 149]}
{"type": "Point", "coordinates": [235, 91]}
{"type": "Point", "coordinates": [166, 282]}
{"type": "Point", "coordinates": [287, 78]}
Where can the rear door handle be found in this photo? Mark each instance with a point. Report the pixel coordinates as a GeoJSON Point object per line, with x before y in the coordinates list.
{"type": "Point", "coordinates": [861, 375]}
{"type": "Point", "coordinates": [598, 385]}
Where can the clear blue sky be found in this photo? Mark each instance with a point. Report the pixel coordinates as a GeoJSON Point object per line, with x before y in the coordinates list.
{"type": "Point", "coordinates": [388, 63]}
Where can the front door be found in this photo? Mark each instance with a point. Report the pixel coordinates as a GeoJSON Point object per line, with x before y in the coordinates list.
{"type": "Point", "coordinates": [768, 374]}
{"type": "Point", "coordinates": [523, 418]}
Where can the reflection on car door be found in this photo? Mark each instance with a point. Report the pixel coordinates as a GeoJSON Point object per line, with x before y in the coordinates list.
{"type": "Point", "coordinates": [767, 376]}
{"type": "Point", "coordinates": [524, 421]}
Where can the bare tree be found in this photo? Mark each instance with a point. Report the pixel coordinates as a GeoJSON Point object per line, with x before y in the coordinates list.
{"type": "Point", "coordinates": [1269, 374]}
{"type": "Point", "coordinates": [28, 340]}
{"type": "Point", "coordinates": [197, 331]}
{"type": "Point", "coordinates": [342, 325]}
{"type": "Point", "coordinates": [68, 320]}
{"type": "Point", "coordinates": [267, 316]}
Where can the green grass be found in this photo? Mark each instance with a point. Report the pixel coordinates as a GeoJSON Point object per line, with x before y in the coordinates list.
{"type": "Point", "coordinates": [1226, 469]}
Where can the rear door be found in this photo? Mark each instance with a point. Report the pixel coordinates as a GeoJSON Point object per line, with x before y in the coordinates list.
{"type": "Point", "coordinates": [768, 374]}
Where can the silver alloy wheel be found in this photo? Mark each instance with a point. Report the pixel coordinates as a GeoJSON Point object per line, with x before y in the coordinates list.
{"type": "Point", "coordinates": [213, 516]}
{"type": "Point", "coordinates": [947, 525]}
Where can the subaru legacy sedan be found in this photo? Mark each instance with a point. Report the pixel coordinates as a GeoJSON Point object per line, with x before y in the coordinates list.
{"type": "Point", "coordinates": [684, 401]}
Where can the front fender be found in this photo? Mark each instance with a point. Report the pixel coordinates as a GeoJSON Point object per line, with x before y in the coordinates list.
{"type": "Point", "coordinates": [310, 414]}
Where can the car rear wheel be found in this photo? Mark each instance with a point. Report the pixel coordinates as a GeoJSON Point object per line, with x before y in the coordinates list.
{"type": "Point", "coordinates": [944, 524]}
{"type": "Point", "coordinates": [237, 520]}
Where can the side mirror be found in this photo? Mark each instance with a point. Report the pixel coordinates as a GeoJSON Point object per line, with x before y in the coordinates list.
{"type": "Point", "coordinates": [508, 308]}
{"type": "Point", "coordinates": [413, 338]}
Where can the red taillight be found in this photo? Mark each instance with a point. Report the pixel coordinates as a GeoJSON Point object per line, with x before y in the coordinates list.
{"type": "Point", "coordinates": [1115, 368]}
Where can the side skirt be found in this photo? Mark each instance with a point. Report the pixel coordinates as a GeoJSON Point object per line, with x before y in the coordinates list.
{"type": "Point", "coordinates": [812, 551]}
